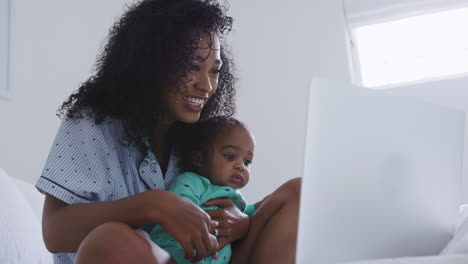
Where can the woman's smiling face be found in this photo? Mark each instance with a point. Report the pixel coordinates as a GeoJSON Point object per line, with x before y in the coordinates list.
{"type": "Point", "coordinates": [186, 104]}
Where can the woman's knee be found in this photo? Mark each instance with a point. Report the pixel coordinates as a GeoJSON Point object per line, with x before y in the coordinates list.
{"type": "Point", "coordinates": [291, 190]}
{"type": "Point", "coordinates": [108, 243]}
{"type": "Point", "coordinates": [111, 233]}
{"type": "Point", "coordinates": [294, 185]}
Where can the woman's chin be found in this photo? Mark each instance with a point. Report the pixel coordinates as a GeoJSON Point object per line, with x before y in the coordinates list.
{"type": "Point", "coordinates": [190, 119]}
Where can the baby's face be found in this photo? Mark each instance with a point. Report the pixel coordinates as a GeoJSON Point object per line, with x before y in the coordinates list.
{"type": "Point", "coordinates": [227, 161]}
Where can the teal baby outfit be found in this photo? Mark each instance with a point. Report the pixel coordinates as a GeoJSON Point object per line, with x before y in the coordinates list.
{"type": "Point", "coordinates": [198, 190]}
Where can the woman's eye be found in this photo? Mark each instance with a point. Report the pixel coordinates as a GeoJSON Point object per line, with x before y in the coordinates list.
{"type": "Point", "coordinates": [194, 67]}
{"type": "Point", "coordinates": [217, 71]}
{"type": "Point", "coordinates": [229, 157]}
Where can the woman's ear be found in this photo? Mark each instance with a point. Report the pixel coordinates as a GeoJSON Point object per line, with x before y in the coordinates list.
{"type": "Point", "coordinates": [196, 157]}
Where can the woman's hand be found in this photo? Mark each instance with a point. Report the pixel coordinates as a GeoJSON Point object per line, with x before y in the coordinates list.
{"type": "Point", "coordinates": [232, 223]}
{"type": "Point", "coordinates": [188, 225]}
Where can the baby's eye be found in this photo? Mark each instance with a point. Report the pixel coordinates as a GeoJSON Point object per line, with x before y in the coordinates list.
{"type": "Point", "coordinates": [229, 156]}
{"type": "Point", "coordinates": [247, 162]}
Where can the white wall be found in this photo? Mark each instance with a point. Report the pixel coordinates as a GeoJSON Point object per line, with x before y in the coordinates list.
{"type": "Point", "coordinates": [53, 48]}
{"type": "Point", "coordinates": [278, 47]}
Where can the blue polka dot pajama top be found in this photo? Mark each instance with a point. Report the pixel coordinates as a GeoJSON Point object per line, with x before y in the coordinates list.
{"type": "Point", "coordinates": [91, 163]}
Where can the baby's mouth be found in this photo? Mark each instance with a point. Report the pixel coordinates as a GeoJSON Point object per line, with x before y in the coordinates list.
{"type": "Point", "coordinates": [237, 179]}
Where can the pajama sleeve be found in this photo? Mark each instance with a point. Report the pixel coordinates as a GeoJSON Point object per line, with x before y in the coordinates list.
{"type": "Point", "coordinates": [81, 165]}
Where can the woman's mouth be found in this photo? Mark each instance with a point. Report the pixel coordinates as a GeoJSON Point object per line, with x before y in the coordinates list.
{"type": "Point", "coordinates": [194, 104]}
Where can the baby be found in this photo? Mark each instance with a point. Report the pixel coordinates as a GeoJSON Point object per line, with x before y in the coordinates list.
{"type": "Point", "coordinates": [218, 156]}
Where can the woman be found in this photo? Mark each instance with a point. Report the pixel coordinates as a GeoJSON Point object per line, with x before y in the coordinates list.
{"type": "Point", "coordinates": [165, 65]}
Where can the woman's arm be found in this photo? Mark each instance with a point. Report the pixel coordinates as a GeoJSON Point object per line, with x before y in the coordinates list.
{"type": "Point", "coordinates": [65, 226]}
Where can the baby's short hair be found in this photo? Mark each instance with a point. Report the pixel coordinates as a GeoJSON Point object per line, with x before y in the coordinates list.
{"type": "Point", "coordinates": [199, 136]}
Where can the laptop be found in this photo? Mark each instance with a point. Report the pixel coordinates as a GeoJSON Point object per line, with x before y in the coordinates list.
{"type": "Point", "coordinates": [382, 175]}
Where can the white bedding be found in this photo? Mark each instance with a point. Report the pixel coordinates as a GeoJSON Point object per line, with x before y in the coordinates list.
{"type": "Point", "coordinates": [442, 259]}
{"type": "Point", "coordinates": [21, 237]}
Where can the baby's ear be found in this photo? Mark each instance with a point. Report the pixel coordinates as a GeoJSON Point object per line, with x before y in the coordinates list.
{"type": "Point", "coordinates": [196, 157]}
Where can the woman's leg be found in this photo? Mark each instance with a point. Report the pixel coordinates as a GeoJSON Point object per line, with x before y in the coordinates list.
{"type": "Point", "coordinates": [273, 229]}
{"type": "Point", "coordinates": [117, 243]}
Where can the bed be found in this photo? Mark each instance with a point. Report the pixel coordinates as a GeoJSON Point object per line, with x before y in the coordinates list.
{"type": "Point", "coordinates": [21, 207]}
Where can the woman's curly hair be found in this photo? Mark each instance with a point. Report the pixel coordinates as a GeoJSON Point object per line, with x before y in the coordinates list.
{"type": "Point", "coordinates": [150, 47]}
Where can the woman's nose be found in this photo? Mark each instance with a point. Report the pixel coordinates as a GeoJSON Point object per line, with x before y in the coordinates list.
{"type": "Point", "coordinates": [203, 83]}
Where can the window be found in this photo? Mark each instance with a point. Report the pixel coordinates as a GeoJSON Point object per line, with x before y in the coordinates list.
{"type": "Point", "coordinates": [4, 50]}
{"type": "Point", "coordinates": [418, 48]}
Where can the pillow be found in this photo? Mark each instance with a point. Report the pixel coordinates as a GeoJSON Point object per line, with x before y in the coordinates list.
{"type": "Point", "coordinates": [459, 243]}
{"type": "Point", "coordinates": [21, 240]}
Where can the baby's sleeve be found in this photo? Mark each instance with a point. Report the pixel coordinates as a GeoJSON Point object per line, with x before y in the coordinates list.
{"type": "Point", "coordinates": [80, 163]}
{"type": "Point", "coordinates": [250, 209]}
{"type": "Point", "coordinates": [239, 200]}
{"type": "Point", "coordinates": [189, 187]}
